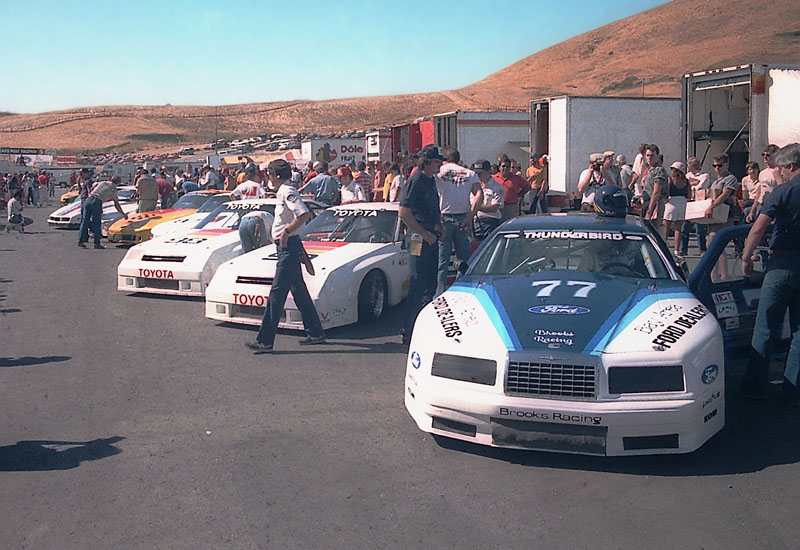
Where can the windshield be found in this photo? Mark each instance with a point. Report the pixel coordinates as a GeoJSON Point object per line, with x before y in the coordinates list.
{"type": "Point", "coordinates": [214, 202]}
{"type": "Point", "coordinates": [227, 216]}
{"type": "Point", "coordinates": [126, 193]}
{"type": "Point", "coordinates": [609, 253]}
{"type": "Point", "coordinates": [352, 226]}
{"type": "Point", "coordinates": [191, 200]}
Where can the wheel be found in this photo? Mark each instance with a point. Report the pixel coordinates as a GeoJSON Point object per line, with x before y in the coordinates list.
{"type": "Point", "coordinates": [371, 296]}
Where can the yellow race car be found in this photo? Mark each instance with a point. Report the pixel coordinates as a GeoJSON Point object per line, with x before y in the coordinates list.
{"type": "Point", "coordinates": [71, 195]}
{"type": "Point", "coordinates": [137, 227]}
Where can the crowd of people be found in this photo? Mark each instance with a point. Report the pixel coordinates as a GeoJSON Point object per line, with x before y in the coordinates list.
{"type": "Point", "coordinates": [35, 187]}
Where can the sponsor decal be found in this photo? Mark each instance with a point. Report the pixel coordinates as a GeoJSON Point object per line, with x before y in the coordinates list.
{"type": "Point", "coordinates": [731, 323]}
{"type": "Point", "coordinates": [709, 416]}
{"type": "Point", "coordinates": [156, 273]}
{"type": "Point", "coordinates": [586, 235]}
{"type": "Point", "coordinates": [561, 417]}
{"type": "Point", "coordinates": [356, 212]}
{"type": "Point", "coordinates": [710, 374]}
{"type": "Point", "coordinates": [680, 326]}
{"type": "Point", "coordinates": [291, 198]}
{"type": "Point", "coordinates": [559, 310]}
{"type": "Point", "coordinates": [249, 205]}
{"type": "Point", "coordinates": [722, 297]}
{"type": "Point", "coordinates": [553, 337]}
{"type": "Point", "coordinates": [249, 299]}
{"type": "Point", "coordinates": [656, 319]}
{"type": "Point", "coordinates": [415, 359]}
{"type": "Point", "coordinates": [710, 399]}
{"type": "Point", "coordinates": [446, 318]}
{"type": "Point", "coordinates": [727, 309]}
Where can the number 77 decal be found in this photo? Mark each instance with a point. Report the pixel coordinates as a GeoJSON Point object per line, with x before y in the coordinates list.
{"type": "Point", "coordinates": [548, 287]}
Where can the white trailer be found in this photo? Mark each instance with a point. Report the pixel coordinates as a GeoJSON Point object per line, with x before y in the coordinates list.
{"type": "Point", "coordinates": [483, 134]}
{"type": "Point", "coordinates": [739, 111]}
{"type": "Point", "coordinates": [335, 151]}
{"type": "Point", "coordinates": [570, 128]}
{"type": "Point", "coordinates": [379, 145]}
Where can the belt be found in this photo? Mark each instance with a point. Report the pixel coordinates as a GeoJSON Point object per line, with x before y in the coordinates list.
{"type": "Point", "coordinates": [784, 252]}
{"type": "Point", "coordinates": [453, 217]}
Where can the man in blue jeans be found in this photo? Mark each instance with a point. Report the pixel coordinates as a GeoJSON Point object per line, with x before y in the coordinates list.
{"type": "Point", "coordinates": [781, 287]}
{"type": "Point", "coordinates": [92, 210]}
{"type": "Point", "coordinates": [290, 216]}
{"type": "Point", "coordinates": [456, 185]}
{"type": "Point", "coordinates": [419, 211]}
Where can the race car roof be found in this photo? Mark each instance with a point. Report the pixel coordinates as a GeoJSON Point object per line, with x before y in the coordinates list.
{"type": "Point", "coordinates": [585, 222]}
{"type": "Point", "coordinates": [389, 206]}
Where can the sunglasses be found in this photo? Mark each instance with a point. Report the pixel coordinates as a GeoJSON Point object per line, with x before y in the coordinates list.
{"type": "Point", "coordinates": [765, 155]}
{"type": "Point", "coordinates": [716, 165]}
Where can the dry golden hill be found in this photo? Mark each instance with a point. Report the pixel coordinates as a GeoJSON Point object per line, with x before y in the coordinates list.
{"type": "Point", "coordinates": [642, 54]}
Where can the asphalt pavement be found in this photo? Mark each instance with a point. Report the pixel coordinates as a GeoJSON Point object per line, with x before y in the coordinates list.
{"type": "Point", "coordinates": [133, 422]}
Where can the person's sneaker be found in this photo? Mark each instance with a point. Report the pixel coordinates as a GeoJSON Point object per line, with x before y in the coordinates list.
{"type": "Point", "coordinates": [258, 346]}
{"type": "Point", "coordinates": [311, 340]}
{"type": "Point", "coordinates": [82, 245]}
{"type": "Point", "coordinates": [99, 246]}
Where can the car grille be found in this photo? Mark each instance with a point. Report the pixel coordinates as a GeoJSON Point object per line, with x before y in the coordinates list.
{"type": "Point", "coordinates": [551, 381]}
{"type": "Point", "coordinates": [249, 312]}
{"type": "Point", "coordinates": [254, 280]}
{"type": "Point", "coordinates": [164, 284]}
{"type": "Point", "coordinates": [154, 258]}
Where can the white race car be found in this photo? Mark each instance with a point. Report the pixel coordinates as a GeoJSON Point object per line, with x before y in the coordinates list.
{"type": "Point", "coordinates": [573, 334]}
{"type": "Point", "coordinates": [360, 267]}
{"type": "Point", "coordinates": [69, 216]}
{"type": "Point", "coordinates": [184, 264]}
{"type": "Point", "coordinates": [187, 223]}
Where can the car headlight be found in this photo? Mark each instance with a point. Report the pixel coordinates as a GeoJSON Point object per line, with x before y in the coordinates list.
{"type": "Point", "coordinates": [466, 369]}
{"type": "Point", "coordinates": [645, 379]}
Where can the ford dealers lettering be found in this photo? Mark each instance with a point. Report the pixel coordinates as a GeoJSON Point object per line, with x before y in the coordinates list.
{"type": "Point", "coordinates": [446, 318]}
{"type": "Point", "coordinates": [156, 273]}
{"type": "Point", "coordinates": [673, 333]}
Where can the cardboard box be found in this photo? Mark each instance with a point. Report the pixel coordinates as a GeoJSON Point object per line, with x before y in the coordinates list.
{"type": "Point", "coordinates": [696, 212]}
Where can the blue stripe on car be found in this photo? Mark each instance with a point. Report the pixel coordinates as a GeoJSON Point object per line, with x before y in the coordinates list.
{"type": "Point", "coordinates": [493, 306]}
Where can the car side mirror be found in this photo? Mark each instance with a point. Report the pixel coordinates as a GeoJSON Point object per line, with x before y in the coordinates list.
{"type": "Point", "coordinates": [461, 267]}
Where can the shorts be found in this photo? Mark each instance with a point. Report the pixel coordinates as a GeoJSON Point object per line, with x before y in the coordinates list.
{"type": "Point", "coordinates": [675, 209]}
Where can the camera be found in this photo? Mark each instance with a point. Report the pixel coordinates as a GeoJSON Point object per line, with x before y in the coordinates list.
{"type": "Point", "coordinates": [597, 166]}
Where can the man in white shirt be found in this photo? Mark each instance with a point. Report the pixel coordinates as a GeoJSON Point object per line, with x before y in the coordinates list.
{"type": "Point", "coordinates": [290, 216]}
{"type": "Point", "coordinates": [590, 180]}
{"type": "Point", "coordinates": [350, 191]}
{"type": "Point", "coordinates": [251, 187]}
{"type": "Point", "coordinates": [699, 180]}
{"type": "Point", "coordinates": [457, 186]}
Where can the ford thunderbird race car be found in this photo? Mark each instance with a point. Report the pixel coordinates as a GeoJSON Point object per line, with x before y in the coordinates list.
{"type": "Point", "coordinates": [570, 333]}
{"type": "Point", "coordinates": [137, 227]}
{"type": "Point", "coordinates": [184, 264]}
{"type": "Point", "coordinates": [359, 262]}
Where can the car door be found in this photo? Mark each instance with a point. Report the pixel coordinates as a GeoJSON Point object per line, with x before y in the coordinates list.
{"type": "Point", "coordinates": [718, 282]}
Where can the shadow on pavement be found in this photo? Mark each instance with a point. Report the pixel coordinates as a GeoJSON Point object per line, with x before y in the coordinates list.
{"type": "Point", "coordinates": [27, 361]}
{"type": "Point", "coordinates": [38, 456]}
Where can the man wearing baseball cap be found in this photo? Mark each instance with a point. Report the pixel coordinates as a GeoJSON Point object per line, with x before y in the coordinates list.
{"type": "Point", "coordinates": [350, 191]}
{"type": "Point", "coordinates": [419, 211]}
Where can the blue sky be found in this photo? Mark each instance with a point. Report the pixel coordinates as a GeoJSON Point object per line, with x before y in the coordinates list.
{"type": "Point", "coordinates": [63, 54]}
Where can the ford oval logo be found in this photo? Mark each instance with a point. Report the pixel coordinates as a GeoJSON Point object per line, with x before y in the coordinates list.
{"type": "Point", "coordinates": [415, 359]}
{"type": "Point", "coordinates": [710, 374]}
{"type": "Point", "coordinates": [559, 310]}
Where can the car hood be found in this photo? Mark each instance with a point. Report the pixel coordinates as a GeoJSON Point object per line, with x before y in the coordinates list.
{"type": "Point", "coordinates": [146, 220]}
{"type": "Point", "coordinates": [71, 208]}
{"type": "Point", "coordinates": [582, 313]}
{"type": "Point", "coordinates": [324, 255]}
{"type": "Point", "coordinates": [189, 243]}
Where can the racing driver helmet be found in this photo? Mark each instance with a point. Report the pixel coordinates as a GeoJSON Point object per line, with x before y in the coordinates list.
{"type": "Point", "coordinates": [611, 201]}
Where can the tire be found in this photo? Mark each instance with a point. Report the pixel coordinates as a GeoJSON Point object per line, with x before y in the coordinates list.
{"type": "Point", "coordinates": [372, 296]}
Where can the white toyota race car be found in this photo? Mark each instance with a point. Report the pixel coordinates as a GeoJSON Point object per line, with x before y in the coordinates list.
{"type": "Point", "coordinates": [184, 264]}
{"type": "Point", "coordinates": [359, 262]}
{"type": "Point", "coordinates": [573, 334]}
